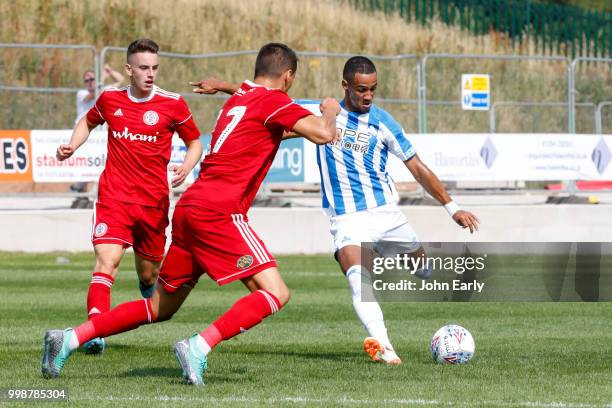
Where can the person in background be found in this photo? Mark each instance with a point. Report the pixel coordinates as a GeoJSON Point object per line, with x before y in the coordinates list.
{"type": "Point", "coordinates": [86, 98]}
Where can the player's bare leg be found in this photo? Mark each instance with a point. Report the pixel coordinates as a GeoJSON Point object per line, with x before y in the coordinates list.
{"type": "Point", "coordinates": [108, 258]}
{"type": "Point", "coordinates": [268, 294]}
{"type": "Point", "coordinates": [377, 345]}
{"type": "Point", "coordinates": [271, 281]}
{"type": "Point", "coordinates": [165, 304]}
{"type": "Point", "coordinates": [147, 271]}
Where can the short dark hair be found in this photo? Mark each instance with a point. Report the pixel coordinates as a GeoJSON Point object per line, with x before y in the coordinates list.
{"type": "Point", "coordinates": [357, 65]}
{"type": "Point", "coordinates": [142, 45]}
{"type": "Point", "coordinates": [273, 59]}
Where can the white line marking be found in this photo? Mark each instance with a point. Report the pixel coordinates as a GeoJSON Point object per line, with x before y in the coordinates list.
{"type": "Point", "coordinates": [350, 401]}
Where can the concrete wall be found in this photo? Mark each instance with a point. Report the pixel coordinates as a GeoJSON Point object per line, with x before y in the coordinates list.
{"type": "Point", "coordinates": [305, 230]}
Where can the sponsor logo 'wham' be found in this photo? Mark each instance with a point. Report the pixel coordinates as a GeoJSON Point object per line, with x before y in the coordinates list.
{"type": "Point", "coordinates": [127, 135]}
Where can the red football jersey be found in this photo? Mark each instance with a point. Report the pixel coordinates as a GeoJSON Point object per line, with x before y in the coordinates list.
{"type": "Point", "coordinates": [140, 142]}
{"type": "Point", "coordinates": [244, 142]}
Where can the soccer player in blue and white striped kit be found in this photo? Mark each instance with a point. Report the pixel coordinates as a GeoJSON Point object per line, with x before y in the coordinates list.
{"type": "Point", "coordinates": [359, 195]}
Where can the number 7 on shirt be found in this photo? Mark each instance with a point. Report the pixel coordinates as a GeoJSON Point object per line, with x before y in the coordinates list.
{"type": "Point", "coordinates": [237, 112]}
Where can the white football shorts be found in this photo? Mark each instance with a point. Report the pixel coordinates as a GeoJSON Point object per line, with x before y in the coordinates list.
{"type": "Point", "coordinates": [384, 223]}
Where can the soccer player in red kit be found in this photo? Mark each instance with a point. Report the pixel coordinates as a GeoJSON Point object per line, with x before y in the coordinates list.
{"type": "Point", "coordinates": [210, 230]}
{"type": "Point", "coordinates": [132, 205]}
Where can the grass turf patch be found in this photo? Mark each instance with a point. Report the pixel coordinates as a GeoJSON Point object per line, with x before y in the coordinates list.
{"type": "Point", "coordinates": [527, 354]}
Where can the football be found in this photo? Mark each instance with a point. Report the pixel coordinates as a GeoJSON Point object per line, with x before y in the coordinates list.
{"type": "Point", "coordinates": [452, 344]}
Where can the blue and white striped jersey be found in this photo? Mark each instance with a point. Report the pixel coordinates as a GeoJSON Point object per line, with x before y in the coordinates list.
{"type": "Point", "coordinates": [353, 171]}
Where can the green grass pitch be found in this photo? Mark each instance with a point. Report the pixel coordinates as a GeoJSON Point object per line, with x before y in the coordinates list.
{"type": "Point", "coordinates": [527, 354]}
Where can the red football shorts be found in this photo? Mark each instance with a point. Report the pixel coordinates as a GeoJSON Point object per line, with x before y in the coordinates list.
{"type": "Point", "coordinates": [221, 245]}
{"type": "Point", "coordinates": [131, 225]}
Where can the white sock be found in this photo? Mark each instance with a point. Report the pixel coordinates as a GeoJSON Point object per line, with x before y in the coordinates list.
{"type": "Point", "coordinates": [369, 313]}
{"type": "Point", "coordinates": [73, 342]}
{"type": "Point", "coordinates": [378, 330]}
{"type": "Point", "coordinates": [202, 345]}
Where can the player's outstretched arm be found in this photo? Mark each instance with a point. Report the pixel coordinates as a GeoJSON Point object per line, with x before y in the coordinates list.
{"type": "Point", "coordinates": [79, 136]}
{"type": "Point", "coordinates": [192, 157]}
{"type": "Point", "coordinates": [430, 182]}
{"type": "Point", "coordinates": [320, 129]}
{"type": "Point", "coordinates": [114, 75]}
{"type": "Point", "coordinates": [211, 86]}
{"type": "Point", "coordinates": [290, 135]}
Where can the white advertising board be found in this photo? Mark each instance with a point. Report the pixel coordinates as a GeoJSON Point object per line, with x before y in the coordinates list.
{"type": "Point", "coordinates": [87, 163]}
{"type": "Point", "coordinates": [453, 157]}
{"type": "Point", "coordinates": [504, 156]}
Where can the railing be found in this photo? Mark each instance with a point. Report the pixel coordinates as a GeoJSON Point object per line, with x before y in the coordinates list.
{"type": "Point", "coordinates": [406, 84]}
{"type": "Point", "coordinates": [572, 92]}
{"type": "Point", "coordinates": [598, 121]}
{"type": "Point", "coordinates": [423, 118]}
{"type": "Point", "coordinates": [553, 29]}
{"type": "Point", "coordinates": [496, 105]}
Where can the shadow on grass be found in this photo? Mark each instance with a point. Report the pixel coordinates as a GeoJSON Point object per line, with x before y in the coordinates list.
{"type": "Point", "coordinates": [165, 372]}
{"type": "Point", "coordinates": [310, 355]}
{"type": "Point", "coordinates": [109, 349]}
{"type": "Point", "coordinates": [174, 375]}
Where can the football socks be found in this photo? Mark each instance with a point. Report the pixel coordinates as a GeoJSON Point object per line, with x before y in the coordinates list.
{"type": "Point", "coordinates": [369, 313]}
{"type": "Point", "coordinates": [127, 316]}
{"type": "Point", "coordinates": [247, 312]}
{"type": "Point", "coordinates": [99, 295]}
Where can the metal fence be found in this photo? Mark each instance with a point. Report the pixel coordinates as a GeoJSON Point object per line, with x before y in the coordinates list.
{"type": "Point", "coordinates": [320, 73]}
{"type": "Point", "coordinates": [39, 82]}
{"type": "Point", "coordinates": [533, 111]}
{"type": "Point", "coordinates": [598, 116]}
{"type": "Point", "coordinates": [530, 94]}
{"type": "Point", "coordinates": [513, 78]}
{"type": "Point", "coordinates": [587, 82]}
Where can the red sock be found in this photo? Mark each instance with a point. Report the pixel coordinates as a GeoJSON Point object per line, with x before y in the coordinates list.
{"type": "Point", "coordinates": [99, 295]}
{"type": "Point", "coordinates": [246, 313]}
{"type": "Point", "coordinates": [211, 336]}
{"type": "Point", "coordinates": [127, 316]}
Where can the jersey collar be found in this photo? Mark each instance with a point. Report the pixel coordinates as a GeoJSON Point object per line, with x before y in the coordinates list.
{"type": "Point", "coordinates": [140, 100]}
{"type": "Point", "coordinates": [252, 84]}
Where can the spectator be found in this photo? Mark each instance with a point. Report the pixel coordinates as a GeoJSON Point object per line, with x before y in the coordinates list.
{"type": "Point", "coordinates": [86, 98]}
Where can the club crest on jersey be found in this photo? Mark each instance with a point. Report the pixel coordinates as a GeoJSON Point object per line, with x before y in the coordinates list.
{"type": "Point", "coordinates": [100, 230]}
{"type": "Point", "coordinates": [150, 118]}
{"type": "Point", "coordinates": [244, 261]}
